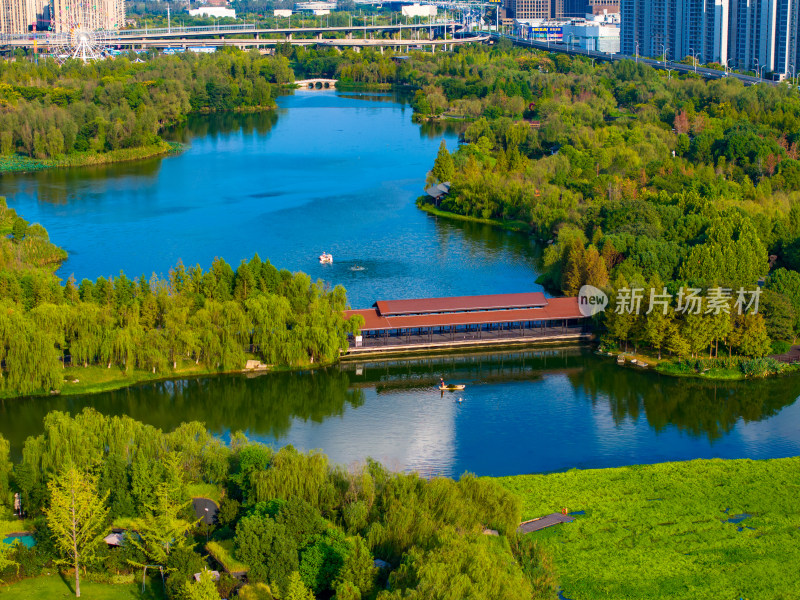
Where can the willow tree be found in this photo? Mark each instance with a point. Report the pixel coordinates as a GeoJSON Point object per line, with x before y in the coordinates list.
{"type": "Point", "coordinates": [5, 470]}
{"type": "Point", "coordinates": [77, 517]}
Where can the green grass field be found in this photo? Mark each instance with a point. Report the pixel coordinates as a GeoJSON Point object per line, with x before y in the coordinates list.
{"type": "Point", "coordinates": [662, 531]}
{"type": "Point", "coordinates": [55, 587]}
{"type": "Point", "coordinates": [224, 554]}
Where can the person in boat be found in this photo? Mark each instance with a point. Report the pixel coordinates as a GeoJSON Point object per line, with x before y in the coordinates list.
{"type": "Point", "coordinates": [441, 382]}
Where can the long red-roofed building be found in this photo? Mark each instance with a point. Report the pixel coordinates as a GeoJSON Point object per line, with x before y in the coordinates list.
{"type": "Point", "coordinates": [467, 320]}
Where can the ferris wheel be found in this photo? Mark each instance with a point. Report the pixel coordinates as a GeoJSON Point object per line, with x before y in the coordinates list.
{"type": "Point", "coordinates": [77, 32]}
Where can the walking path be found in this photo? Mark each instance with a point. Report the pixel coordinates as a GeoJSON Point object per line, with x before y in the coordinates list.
{"type": "Point", "coordinates": [543, 522]}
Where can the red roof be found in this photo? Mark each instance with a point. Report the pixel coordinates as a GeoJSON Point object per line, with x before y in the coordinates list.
{"type": "Point", "coordinates": [556, 308]}
{"type": "Point", "coordinates": [388, 308]}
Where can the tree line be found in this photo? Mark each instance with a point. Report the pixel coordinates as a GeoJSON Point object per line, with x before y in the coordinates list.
{"type": "Point", "coordinates": [52, 110]}
{"type": "Point", "coordinates": [214, 318]}
{"type": "Point", "coordinates": [633, 178]}
{"type": "Point", "coordinates": [299, 527]}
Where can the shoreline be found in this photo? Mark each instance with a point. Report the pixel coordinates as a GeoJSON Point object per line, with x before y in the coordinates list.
{"type": "Point", "coordinates": [17, 163]}
{"type": "Point", "coordinates": [518, 226]}
{"type": "Point", "coordinates": [102, 379]}
{"type": "Point", "coordinates": [25, 164]}
{"type": "Point", "coordinates": [662, 367]}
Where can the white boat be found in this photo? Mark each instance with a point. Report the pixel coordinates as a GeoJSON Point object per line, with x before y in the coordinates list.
{"type": "Point", "coordinates": [326, 259]}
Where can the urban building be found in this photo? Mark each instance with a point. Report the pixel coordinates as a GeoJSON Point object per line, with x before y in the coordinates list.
{"type": "Point", "coordinates": [600, 7]}
{"type": "Point", "coordinates": [17, 16]}
{"type": "Point", "coordinates": [218, 12]}
{"type": "Point", "coordinates": [98, 14]}
{"type": "Point", "coordinates": [765, 35]}
{"type": "Point", "coordinates": [592, 36]}
{"type": "Point", "coordinates": [676, 28]}
{"type": "Point", "coordinates": [419, 10]}
{"type": "Point", "coordinates": [528, 9]}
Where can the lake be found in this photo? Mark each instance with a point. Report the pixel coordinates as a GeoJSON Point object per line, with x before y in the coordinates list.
{"type": "Point", "coordinates": [528, 411]}
{"type": "Point", "coordinates": [326, 172]}
{"type": "Point", "coordinates": [340, 172]}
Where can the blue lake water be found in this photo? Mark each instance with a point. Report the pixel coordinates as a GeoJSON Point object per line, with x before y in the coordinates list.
{"type": "Point", "coordinates": [327, 172]}
{"type": "Point", "coordinates": [340, 173]}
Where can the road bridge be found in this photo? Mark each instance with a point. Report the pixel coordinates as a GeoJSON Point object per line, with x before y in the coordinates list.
{"type": "Point", "coordinates": [125, 37]}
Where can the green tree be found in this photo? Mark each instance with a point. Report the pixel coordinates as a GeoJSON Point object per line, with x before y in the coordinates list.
{"type": "Point", "coordinates": [18, 229]}
{"type": "Point", "coordinates": [161, 530]}
{"type": "Point", "coordinates": [204, 589]}
{"type": "Point", "coordinates": [255, 591]}
{"type": "Point", "coordinates": [295, 589]}
{"type": "Point", "coordinates": [77, 517]}
{"type": "Point", "coordinates": [751, 337]}
{"type": "Point", "coordinates": [6, 467]}
{"type": "Point", "coordinates": [443, 167]}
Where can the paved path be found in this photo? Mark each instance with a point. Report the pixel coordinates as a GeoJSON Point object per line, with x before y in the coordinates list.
{"type": "Point", "coordinates": [543, 522]}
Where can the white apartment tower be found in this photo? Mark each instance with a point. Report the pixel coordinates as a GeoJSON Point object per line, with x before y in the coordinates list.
{"type": "Point", "coordinates": [677, 28]}
{"type": "Point", "coordinates": [765, 35]}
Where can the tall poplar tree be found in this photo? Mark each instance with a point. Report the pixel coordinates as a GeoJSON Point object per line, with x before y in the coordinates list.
{"type": "Point", "coordinates": [77, 516]}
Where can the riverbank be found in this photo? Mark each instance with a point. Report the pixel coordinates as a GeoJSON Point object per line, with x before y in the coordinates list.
{"type": "Point", "coordinates": [518, 226]}
{"type": "Point", "coordinates": [723, 369]}
{"type": "Point", "coordinates": [683, 530]}
{"type": "Point", "coordinates": [25, 164]}
{"type": "Point", "coordinates": [95, 379]}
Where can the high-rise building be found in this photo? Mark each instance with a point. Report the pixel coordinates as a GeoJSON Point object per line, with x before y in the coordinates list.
{"type": "Point", "coordinates": [765, 35]}
{"type": "Point", "coordinates": [598, 7]}
{"type": "Point", "coordinates": [676, 28]}
{"type": "Point", "coordinates": [97, 14]}
{"type": "Point", "coordinates": [18, 16]}
{"type": "Point", "coordinates": [528, 9]}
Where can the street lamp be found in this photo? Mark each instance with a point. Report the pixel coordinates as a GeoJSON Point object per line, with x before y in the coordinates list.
{"type": "Point", "coordinates": [761, 76]}
{"type": "Point", "coordinates": [637, 52]}
{"type": "Point", "coordinates": [206, 520]}
{"type": "Point", "coordinates": [694, 56]}
{"type": "Point", "coordinates": [728, 67]}
{"type": "Point", "coordinates": [666, 50]}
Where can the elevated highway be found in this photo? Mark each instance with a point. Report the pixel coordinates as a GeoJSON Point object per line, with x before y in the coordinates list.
{"type": "Point", "coordinates": [241, 32]}
{"type": "Point", "coordinates": [610, 57]}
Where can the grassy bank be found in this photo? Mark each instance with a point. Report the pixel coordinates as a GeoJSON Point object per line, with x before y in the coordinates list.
{"type": "Point", "coordinates": [664, 531]}
{"type": "Point", "coordinates": [18, 163]}
{"type": "Point", "coordinates": [55, 586]}
{"type": "Point", "coordinates": [521, 226]}
{"type": "Point", "coordinates": [94, 378]}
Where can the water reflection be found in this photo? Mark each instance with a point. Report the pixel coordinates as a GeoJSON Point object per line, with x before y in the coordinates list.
{"type": "Point", "coordinates": [222, 124]}
{"type": "Point", "coordinates": [524, 411]}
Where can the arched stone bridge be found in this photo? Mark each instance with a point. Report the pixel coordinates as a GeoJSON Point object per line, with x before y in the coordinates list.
{"type": "Point", "coordinates": [316, 84]}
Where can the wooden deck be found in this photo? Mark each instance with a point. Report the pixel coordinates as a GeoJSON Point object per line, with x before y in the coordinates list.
{"type": "Point", "coordinates": [406, 344]}
{"type": "Point", "coordinates": [543, 522]}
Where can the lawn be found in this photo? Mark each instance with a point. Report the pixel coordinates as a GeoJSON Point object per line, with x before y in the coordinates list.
{"type": "Point", "coordinates": [663, 531]}
{"type": "Point", "coordinates": [14, 526]}
{"type": "Point", "coordinates": [223, 553]}
{"type": "Point", "coordinates": [55, 587]}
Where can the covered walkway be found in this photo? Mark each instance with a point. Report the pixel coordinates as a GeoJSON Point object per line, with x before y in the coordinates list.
{"type": "Point", "coordinates": [403, 325]}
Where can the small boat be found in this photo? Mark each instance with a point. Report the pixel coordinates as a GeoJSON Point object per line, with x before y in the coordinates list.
{"type": "Point", "coordinates": [326, 259]}
{"type": "Point", "coordinates": [620, 360]}
{"type": "Point", "coordinates": [452, 387]}
{"type": "Point", "coordinates": [356, 268]}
